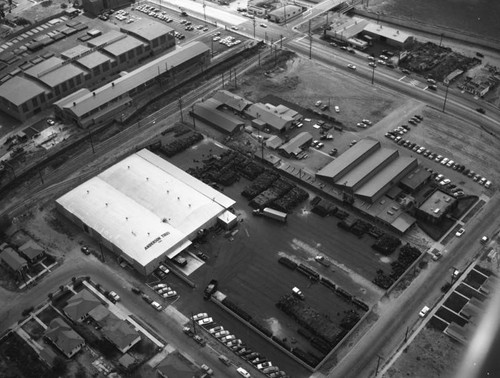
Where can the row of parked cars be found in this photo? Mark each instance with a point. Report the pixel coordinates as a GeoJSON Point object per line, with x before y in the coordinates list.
{"type": "Point", "coordinates": [154, 12]}
{"type": "Point", "coordinates": [237, 346]}
{"type": "Point", "coordinates": [397, 136]}
{"type": "Point", "coordinates": [164, 291]}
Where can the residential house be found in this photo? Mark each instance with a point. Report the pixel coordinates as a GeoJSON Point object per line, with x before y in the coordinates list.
{"type": "Point", "coordinates": [64, 337]}
{"type": "Point", "coordinates": [31, 251]}
{"type": "Point", "coordinates": [13, 261]}
{"type": "Point", "coordinates": [80, 305]}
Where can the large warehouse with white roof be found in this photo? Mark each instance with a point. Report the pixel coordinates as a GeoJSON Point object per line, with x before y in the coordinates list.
{"type": "Point", "coordinates": [144, 209]}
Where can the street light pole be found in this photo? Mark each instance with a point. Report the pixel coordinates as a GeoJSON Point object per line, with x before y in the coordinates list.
{"type": "Point", "coordinates": [254, 28]}
{"type": "Point", "coordinates": [373, 73]}
{"type": "Point", "coordinates": [445, 96]}
{"type": "Point", "coordinates": [204, 14]}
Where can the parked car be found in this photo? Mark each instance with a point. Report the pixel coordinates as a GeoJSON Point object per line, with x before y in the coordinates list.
{"type": "Point", "coordinates": [113, 296]}
{"type": "Point", "coordinates": [423, 313]}
{"type": "Point", "coordinates": [159, 286]}
{"type": "Point", "coordinates": [222, 333]}
{"type": "Point", "coordinates": [264, 365]}
{"type": "Point", "coordinates": [199, 340]}
{"type": "Point", "coordinates": [214, 330]}
{"type": "Point", "coordinates": [351, 66]}
{"type": "Point", "coordinates": [228, 338]}
{"type": "Point", "coordinates": [205, 321]}
{"type": "Point", "coordinates": [243, 373]}
{"type": "Point", "coordinates": [188, 331]}
{"type": "Point", "coordinates": [484, 240]}
{"type": "Point", "coordinates": [85, 250]}
{"type": "Point", "coordinates": [437, 256]}
{"type": "Point", "coordinates": [460, 232]}
{"type": "Point", "coordinates": [169, 294]}
{"type": "Point", "coordinates": [156, 306]}
{"type": "Point", "coordinates": [200, 316]}
{"type": "Point", "coordinates": [207, 370]}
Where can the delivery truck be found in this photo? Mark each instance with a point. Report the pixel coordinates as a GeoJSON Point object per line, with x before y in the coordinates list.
{"type": "Point", "coordinates": [271, 213]}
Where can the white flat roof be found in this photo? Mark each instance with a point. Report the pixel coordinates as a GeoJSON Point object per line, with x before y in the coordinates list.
{"type": "Point", "coordinates": [145, 206]}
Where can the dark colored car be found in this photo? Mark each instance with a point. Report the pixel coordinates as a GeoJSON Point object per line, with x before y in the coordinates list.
{"type": "Point", "coordinates": [481, 110]}
{"type": "Point", "coordinates": [85, 250]}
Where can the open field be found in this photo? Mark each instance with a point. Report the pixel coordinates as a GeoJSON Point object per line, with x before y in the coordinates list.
{"type": "Point", "coordinates": [432, 354]}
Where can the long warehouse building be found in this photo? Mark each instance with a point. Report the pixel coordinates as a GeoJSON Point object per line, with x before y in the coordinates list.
{"type": "Point", "coordinates": [144, 209]}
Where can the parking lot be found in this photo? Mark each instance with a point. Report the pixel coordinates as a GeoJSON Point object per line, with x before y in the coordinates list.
{"type": "Point", "coordinates": [246, 266]}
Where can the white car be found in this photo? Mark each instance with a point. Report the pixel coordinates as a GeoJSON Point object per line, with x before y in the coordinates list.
{"type": "Point", "coordinates": [214, 330]}
{"type": "Point", "coordinates": [114, 296]}
{"type": "Point", "coordinates": [484, 239]}
{"type": "Point", "coordinates": [164, 290]}
{"type": "Point", "coordinates": [169, 294]}
{"type": "Point", "coordinates": [367, 121]}
{"type": "Point", "coordinates": [351, 66]}
{"type": "Point", "coordinates": [200, 316]}
{"type": "Point", "coordinates": [159, 286]}
{"type": "Point", "coordinates": [460, 232]}
{"type": "Point", "coordinates": [228, 338]}
{"type": "Point", "coordinates": [423, 313]}
{"type": "Point", "coordinates": [263, 25]}
{"type": "Point", "coordinates": [156, 306]}
{"type": "Point", "coordinates": [264, 365]}
{"type": "Point", "coordinates": [318, 103]}
{"type": "Point", "coordinates": [205, 321]}
{"type": "Point", "coordinates": [234, 27]}
{"type": "Point", "coordinates": [243, 372]}
{"type": "Point", "coordinates": [221, 333]}
{"type": "Point", "coordinates": [164, 269]}
{"type": "Point", "coordinates": [337, 109]}
{"type": "Point", "coordinates": [361, 124]}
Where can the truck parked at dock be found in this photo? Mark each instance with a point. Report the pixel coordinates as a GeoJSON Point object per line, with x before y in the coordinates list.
{"type": "Point", "coordinates": [271, 213]}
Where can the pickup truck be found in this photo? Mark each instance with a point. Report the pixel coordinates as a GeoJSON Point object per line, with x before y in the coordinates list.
{"type": "Point", "coordinates": [210, 289]}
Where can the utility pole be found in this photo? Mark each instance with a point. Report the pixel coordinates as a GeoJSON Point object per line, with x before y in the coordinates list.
{"type": "Point", "coordinates": [235, 84]}
{"type": "Point", "coordinates": [378, 364]}
{"type": "Point", "coordinates": [194, 323]}
{"type": "Point", "coordinates": [446, 96]}
{"type": "Point", "coordinates": [406, 334]}
{"type": "Point", "coordinates": [91, 142]}
{"type": "Point", "coordinates": [41, 178]}
{"type": "Point", "coordinates": [192, 115]}
{"type": "Point", "coordinates": [204, 14]}
{"type": "Point", "coordinates": [254, 28]}
{"type": "Point", "coordinates": [259, 58]}
{"type": "Point", "coordinates": [180, 108]}
{"type": "Point", "coordinates": [373, 73]}
{"type": "Point", "coordinates": [281, 41]}
{"type": "Point", "coordinates": [310, 41]}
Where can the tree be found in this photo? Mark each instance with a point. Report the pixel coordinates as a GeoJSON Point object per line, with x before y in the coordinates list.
{"type": "Point", "coordinates": [81, 372]}
{"type": "Point", "coordinates": [59, 367]}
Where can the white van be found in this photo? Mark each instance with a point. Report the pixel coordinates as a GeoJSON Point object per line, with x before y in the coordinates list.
{"type": "Point", "coordinates": [243, 372]}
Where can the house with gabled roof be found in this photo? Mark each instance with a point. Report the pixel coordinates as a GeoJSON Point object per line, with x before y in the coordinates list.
{"type": "Point", "coordinates": [64, 337]}
{"type": "Point", "coordinates": [31, 251]}
{"type": "Point", "coordinates": [12, 260]}
{"type": "Point", "coordinates": [117, 331]}
{"type": "Point", "coordinates": [80, 305]}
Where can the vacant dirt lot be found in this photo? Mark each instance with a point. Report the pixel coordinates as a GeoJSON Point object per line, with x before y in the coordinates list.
{"type": "Point", "coordinates": [432, 354]}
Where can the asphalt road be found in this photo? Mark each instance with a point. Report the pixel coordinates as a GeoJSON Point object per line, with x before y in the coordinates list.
{"type": "Point", "coordinates": [389, 331]}
{"type": "Point", "coordinates": [120, 281]}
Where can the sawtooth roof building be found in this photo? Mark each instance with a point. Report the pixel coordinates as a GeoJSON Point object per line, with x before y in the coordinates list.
{"type": "Point", "coordinates": [38, 87]}
{"type": "Point", "coordinates": [144, 209]}
{"type": "Point", "coordinates": [367, 170]}
{"type": "Point", "coordinates": [87, 108]}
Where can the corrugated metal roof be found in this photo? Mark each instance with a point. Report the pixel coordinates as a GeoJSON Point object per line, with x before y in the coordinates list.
{"type": "Point", "coordinates": [207, 111]}
{"type": "Point", "coordinates": [348, 160]}
{"type": "Point", "coordinates": [53, 73]}
{"type": "Point", "coordinates": [298, 140]}
{"type": "Point", "coordinates": [385, 176]}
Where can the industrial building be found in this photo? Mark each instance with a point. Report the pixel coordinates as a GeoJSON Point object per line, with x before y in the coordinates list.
{"type": "Point", "coordinates": [360, 33]}
{"type": "Point", "coordinates": [144, 209]}
{"type": "Point", "coordinates": [285, 13]}
{"type": "Point", "coordinates": [211, 113]}
{"type": "Point", "coordinates": [276, 118]}
{"type": "Point", "coordinates": [38, 87]}
{"type": "Point", "coordinates": [87, 108]}
{"type": "Point", "coordinates": [434, 208]}
{"type": "Point", "coordinates": [367, 170]}
{"type": "Point", "coordinates": [296, 145]}
{"type": "Point", "coordinates": [234, 102]}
